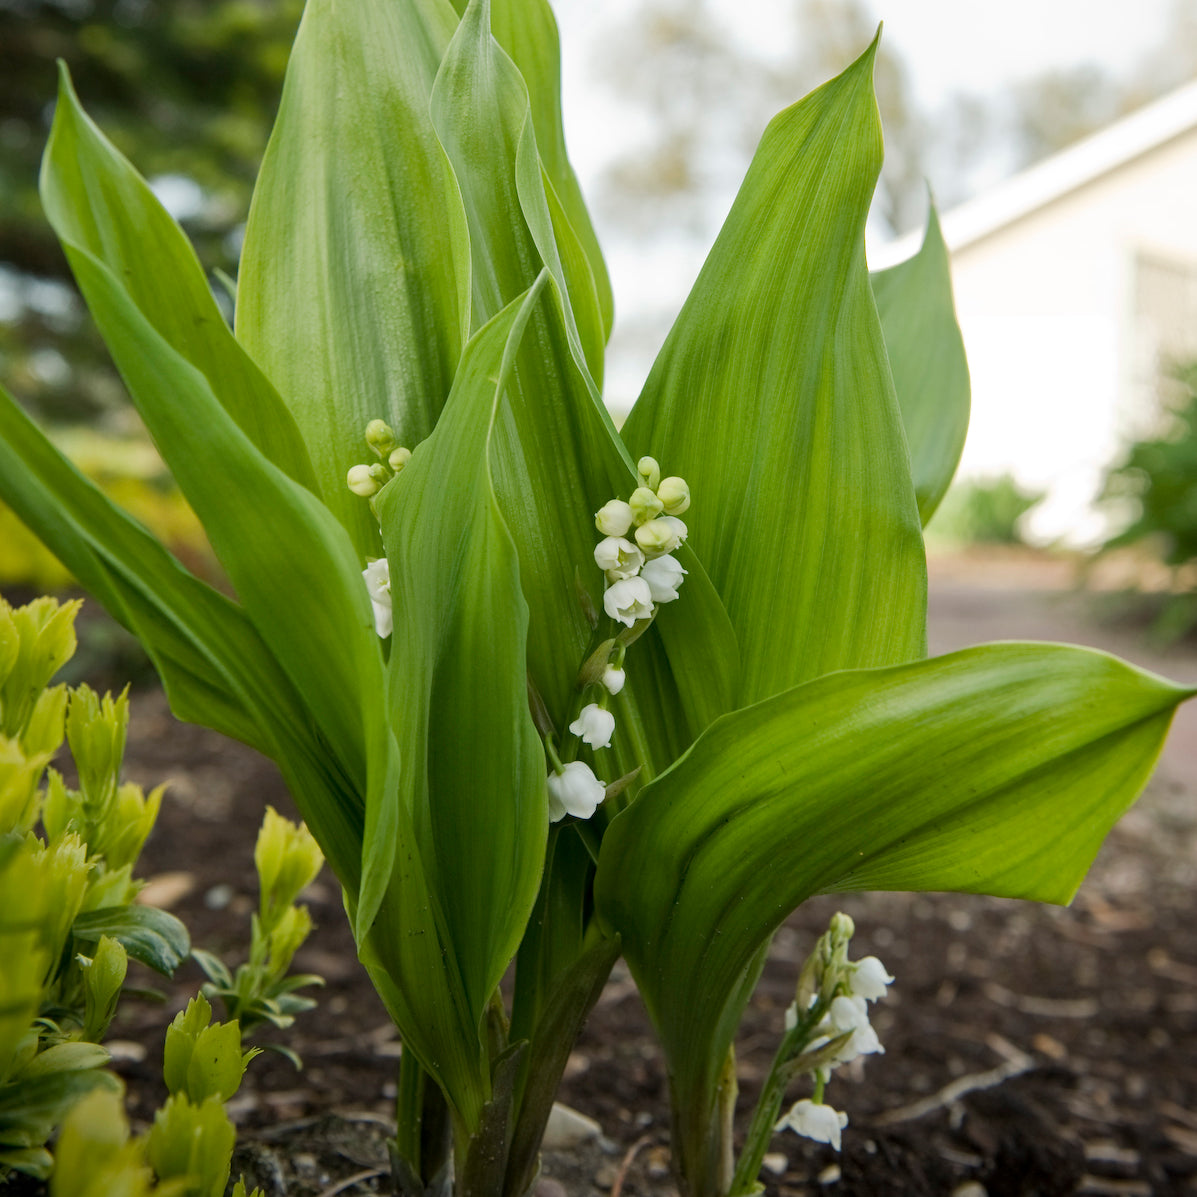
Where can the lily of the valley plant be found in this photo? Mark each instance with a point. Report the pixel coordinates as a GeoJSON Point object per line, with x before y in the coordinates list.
{"type": "Point", "coordinates": [523, 736]}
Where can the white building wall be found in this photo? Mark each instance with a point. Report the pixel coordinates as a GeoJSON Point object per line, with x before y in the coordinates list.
{"type": "Point", "coordinates": [1046, 308]}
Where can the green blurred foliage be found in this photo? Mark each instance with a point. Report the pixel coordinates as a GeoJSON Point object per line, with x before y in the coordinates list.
{"type": "Point", "coordinates": [1157, 482]}
{"type": "Point", "coordinates": [186, 88]}
{"type": "Point", "coordinates": [984, 511]}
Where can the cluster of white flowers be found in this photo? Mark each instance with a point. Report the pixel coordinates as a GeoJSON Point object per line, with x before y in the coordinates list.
{"type": "Point", "coordinates": [367, 481]}
{"type": "Point", "coordinates": [834, 995]}
{"type": "Point", "coordinates": [639, 536]}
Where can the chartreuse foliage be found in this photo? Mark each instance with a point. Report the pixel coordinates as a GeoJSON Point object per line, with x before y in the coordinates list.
{"type": "Point", "coordinates": [418, 254]}
{"type": "Point", "coordinates": [68, 922]}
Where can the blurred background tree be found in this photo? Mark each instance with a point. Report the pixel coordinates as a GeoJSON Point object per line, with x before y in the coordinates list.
{"type": "Point", "coordinates": [187, 89]}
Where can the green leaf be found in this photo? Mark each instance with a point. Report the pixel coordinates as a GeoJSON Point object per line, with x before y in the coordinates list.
{"type": "Point", "coordinates": [354, 286]}
{"type": "Point", "coordinates": [470, 800]}
{"type": "Point", "coordinates": [527, 31]}
{"type": "Point", "coordinates": [89, 189]}
{"type": "Point", "coordinates": [926, 354]}
{"type": "Point", "coordinates": [997, 770]}
{"type": "Point", "coordinates": [772, 397]}
{"type": "Point", "coordinates": [148, 934]}
{"type": "Point", "coordinates": [308, 603]}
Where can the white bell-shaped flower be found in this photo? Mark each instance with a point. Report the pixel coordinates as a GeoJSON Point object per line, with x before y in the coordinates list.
{"type": "Point", "coordinates": [574, 791]}
{"type": "Point", "coordinates": [594, 725]}
{"type": "Point", "coordinates": [869, 978]}
{"type": "Point", "coordinates": [814, 1121]}
{"type": "Point", "coordinates": [663, 575]}
{"type": "Point", "coordinates": [657, 537]}
{"type": "Point", "coordinates": [613, 679]}
{"type": "Point", "coordinates": [618, 558]}
{"type": "Point", "coordinates": [377, 575]}
{"type": "Point", "coordinates": [628, 601]}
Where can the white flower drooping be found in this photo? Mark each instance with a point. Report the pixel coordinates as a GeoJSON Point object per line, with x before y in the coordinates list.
{"type": "Point", "coordinates": [664, 575]}
{"type": "Point", "coordinates": [594, 725]}
{"type": "Point", "coordinates": [613, 679]}
{"type": "Point", "coordinates": [377, 575]}
{"type": "Point", "coordinates": [814, 1120]}
{"type": "Point", "coordinates": [574, 791]}
{"type": "Point", "coordinates": [629, 600]}
{"type": "Point", "coordinates": [618, 558]}
{"type": "Point", "coordinates": [869, 978]}
{"type": "Point", "coordinates": [614, 518]}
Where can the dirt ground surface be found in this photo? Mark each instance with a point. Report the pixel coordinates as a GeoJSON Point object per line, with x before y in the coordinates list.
{"type": "Point", "coordinates": [1029, 1050]}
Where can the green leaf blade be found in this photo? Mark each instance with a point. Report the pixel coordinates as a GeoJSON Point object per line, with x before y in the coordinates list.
{"type": "Point", "coordinates": [95, 199]}
{"type": "Point", "coordinates": [997, 770]}
{"type": "Point", "coordinates": [772, 396]}
{"type": "Point", "coordinates": [926, 354]}
{"type": "Point", "coordinates": [354, 286]}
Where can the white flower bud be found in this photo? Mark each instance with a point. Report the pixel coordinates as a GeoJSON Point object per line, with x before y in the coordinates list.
{"type": "Point", "coordinates": [649, 471]}
{"type": "Point", "coordinates": [791, 1016]}
{"type": "Point", "coordinates": [645, 505]}
{"type": "Point", "coordinates": [380, 436]}
{"type": "Point", "coordinates": [618, 558]}
{"type": "Point", "coordinates": [675, 495]}
{"type": "Point", "coordinates": [574, 791]}
{"type": "Point", "coordinates": [377, 575]}
{"type": "Point", "coordinates": [657, 537]}
{"type": "Point", "coordinates": [595, 726]}
{"type": "Point", "coordinates": [869, 978]}
{"type": "Point", "coordinates": [818, 1122]}
{"type": "Point", "coordinates": [614, 518]}
{"type": "Point", "coordinates": [398, 458]}
{"type": "Point", "coordinates": [613, 679]}
{"type": "Point", "coordinates": [663, 575]}
{"type": "Point", "coordinates": [361, 481]}
{"type": "Point", "coordinates": [628, 601]}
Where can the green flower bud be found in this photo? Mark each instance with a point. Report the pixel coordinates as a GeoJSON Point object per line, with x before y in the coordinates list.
{"type": "Point", "coordinates": [360, 480]}
{"type": "Point", "coordinates": [380, 436]}
{"type": "Point", "coordinates": [645, 505]}
{"type": "Point", "coordinates": [102, 981]}
{"type": "Point", "coordinates": [287, 859]}
{"type": "Point", "coordinates": [399, 458]}
{"type": "Point", "coordinates": [656, 538]}
{"type": "Point", "coordinates": [649, 472]}
{"type": "Point", "coordinates": [191, 1143]}
{"type": "Point", "coordinates": [674, 495]}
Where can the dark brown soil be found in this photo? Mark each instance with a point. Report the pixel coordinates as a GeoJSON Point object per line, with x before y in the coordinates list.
{"type": "Point", "coordinates": [1029, 1050]}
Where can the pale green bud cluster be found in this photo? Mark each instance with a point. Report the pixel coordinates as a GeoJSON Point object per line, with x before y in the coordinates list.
{"type": "Point", "coordinates": [368, 479]}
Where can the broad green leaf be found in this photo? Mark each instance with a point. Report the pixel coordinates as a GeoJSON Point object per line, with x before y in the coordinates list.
{"type": "Point", "coordinates": [88, 186]}
{"type": "Point", "coordinates": [772, 397]}
{"type": "Point", "coordinates": [997, 770]}
{"type": "Point", "coordinates": [153, 936]}
{"type": "Point", "coordinates": [474, 767]}
{"type": "Point", "coordinates": [926, 354]}
{"type": "Point", "coordinates": [556, 456]}
{"type": "Point", "coordinates": [295, 570]}
{"type": "Point", "coordinates": [464, 830]}
{"type": "Point", "coordinates": [354, 285]}
{"type": "Point", "coordinates": [527, 31]}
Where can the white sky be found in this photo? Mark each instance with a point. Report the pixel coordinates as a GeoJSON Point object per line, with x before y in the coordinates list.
{"type": "Point", "coordinates": [974, 46]}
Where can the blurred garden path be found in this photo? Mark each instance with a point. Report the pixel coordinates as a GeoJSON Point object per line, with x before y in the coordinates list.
{"type": "Point", "coordinates": [1016, 594]}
